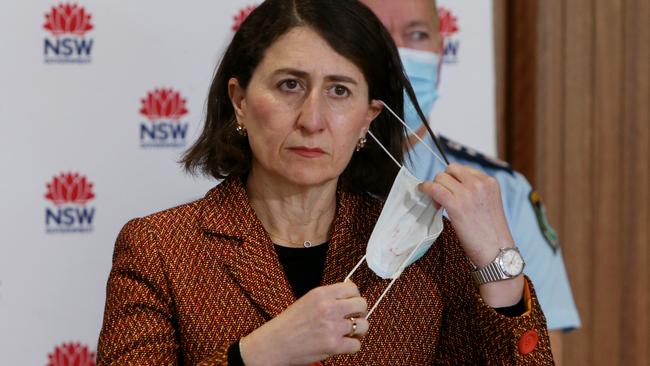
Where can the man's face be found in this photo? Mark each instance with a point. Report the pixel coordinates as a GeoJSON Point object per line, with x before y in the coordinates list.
{"type": "Point", "coordinates": [411, 23]}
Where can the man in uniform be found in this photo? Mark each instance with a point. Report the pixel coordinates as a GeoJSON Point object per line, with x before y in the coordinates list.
{"type": "Point", "coordinates": [413, 24]}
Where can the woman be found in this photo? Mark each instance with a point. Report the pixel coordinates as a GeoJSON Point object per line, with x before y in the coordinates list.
{"type": "Point", "coordinates": [253, 273]}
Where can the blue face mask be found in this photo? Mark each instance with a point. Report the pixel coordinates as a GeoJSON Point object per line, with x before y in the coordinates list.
{"type": "Point", "coordinates": [422, 70]}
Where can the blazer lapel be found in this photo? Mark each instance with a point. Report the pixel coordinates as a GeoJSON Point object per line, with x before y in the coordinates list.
{"type": "Point", "coordinates": [249, 255]}
{"type": "Point", "coordinates": [252, 261]}
{"type": "Point", "coordinates": [354, 220]}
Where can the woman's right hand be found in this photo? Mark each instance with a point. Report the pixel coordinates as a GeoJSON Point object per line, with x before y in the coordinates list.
{"type": "Point", "coordinates": [316, 326]}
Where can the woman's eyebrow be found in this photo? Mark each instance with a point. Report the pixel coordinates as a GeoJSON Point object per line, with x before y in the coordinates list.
{"type": "Point", "coordinates": [417, 23]}
{"type": "Point", "coordinates": [341, 78]}
{"type": "Point", "coordinates": [291, 71]}
{"type": "Point", "coordinates": [305, 75]}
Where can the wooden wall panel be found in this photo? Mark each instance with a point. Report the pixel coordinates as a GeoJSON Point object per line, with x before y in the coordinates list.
{"type": "Point", "coordinates": [606, 160]}
{"type": "Point", "coordinates": [591, 159]}
{"type": "Point", "coordinates": [549, 130]}
{"type": "Point", "coordinates": [636, 190]}
{"type": "Point", "coordinates": [522, 79]}
{"type": "Point", "coordinates": [549, 127]}
{"type": "Point", "coordinates": [577, 211]}
{"type": "Point", "coordinates": [499, 28]}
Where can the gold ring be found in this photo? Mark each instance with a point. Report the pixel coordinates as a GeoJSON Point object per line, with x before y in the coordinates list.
{"type": "Point", "coordinates": [354, 327]}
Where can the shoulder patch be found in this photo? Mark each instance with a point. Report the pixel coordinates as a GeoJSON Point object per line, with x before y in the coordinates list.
{"type": "Point", "coordinates": [549, 234]}
{"type": "Point", "coordinates": [467, 153]}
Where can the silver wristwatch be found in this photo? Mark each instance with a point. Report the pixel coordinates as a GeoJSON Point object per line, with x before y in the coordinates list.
{"type": "Point", "coordinates": [508, 264]}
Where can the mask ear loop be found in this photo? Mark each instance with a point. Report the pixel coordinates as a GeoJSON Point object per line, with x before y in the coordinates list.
{"type": "Point", "coordinates": [410, 130]}
{"type": "Point", "coordinates": [401, 268]}
{"type": "Point", "coordinates": [396, 275]}
{"type": "Point", "coordinates": [399, 271]}
{"type": "Point", "coordinates": [347, 278]}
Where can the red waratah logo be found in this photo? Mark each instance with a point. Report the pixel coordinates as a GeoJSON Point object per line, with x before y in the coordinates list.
{"type": "Point", "coordinates": [71, 354]}
{"type": "Point", "coordinates": [163, 104]}
{"type": "Point", "coordinates": [69, 188]}
{"type": "Point", "coordinates": [241, 16]}
{"type": "Point", "coordinates": [448, 22]}
{"type": "Point", "coordinates": [68, 18]}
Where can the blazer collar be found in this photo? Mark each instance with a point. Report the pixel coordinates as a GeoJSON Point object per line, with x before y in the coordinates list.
{"type": "Point", "coordinates": [251, 257]}
{"type": "Point", "coordinates": [227, 211]}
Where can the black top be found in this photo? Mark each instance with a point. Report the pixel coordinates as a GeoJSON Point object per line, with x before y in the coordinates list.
{"type": "Point", "coordinates": [303, 266]}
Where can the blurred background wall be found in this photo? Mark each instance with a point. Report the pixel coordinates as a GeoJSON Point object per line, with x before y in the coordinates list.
{"type": "Point", "coordinates": [573, 81]}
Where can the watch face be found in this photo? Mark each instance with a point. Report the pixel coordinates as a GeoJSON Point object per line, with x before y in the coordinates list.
{"type": "Point", "coordinates": [511, 262]}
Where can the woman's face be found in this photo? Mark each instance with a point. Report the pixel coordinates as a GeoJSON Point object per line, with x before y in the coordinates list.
{"type": "Point", "coordinates": [305, 109]}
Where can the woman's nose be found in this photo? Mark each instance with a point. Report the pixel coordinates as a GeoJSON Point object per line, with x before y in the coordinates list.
{"type": "Point", "coordinates": [312, 117]}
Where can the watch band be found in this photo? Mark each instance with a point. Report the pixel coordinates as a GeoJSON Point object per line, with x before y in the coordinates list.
{"type": "Point", "coordinates": [490, 273]}
{"type": "Point", "coordinates": [494, 271]}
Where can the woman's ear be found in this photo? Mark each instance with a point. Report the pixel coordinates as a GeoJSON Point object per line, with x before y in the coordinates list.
{"type": "Point", "coordinates": [374, 110]}
{"type": "Point", "coordinates": [237, 97]}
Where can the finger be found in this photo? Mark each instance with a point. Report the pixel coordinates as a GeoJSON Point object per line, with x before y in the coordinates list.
{"type": "Point", "coordinates": [440, 195]}
{"type": "Point", "coordinates": [460, 172]}
{"type": "Point", "coordinates": [449, 182]}
{"type": "Point", "coordinates": [357, 327]}
{"type": "Point", "coordinates": [475, 172]}
{"type": "Point", "coordinates": [354, 306]}
{"type": "Point", "coordinates": [341, 290]}
{"type": "Point", "coordinates": [474, 180]}
{"type": "Point", "coordinates": [475, 176]}
{"type": "Point", "coordinates": [348, 345]}
{"type": "Point", "coordinates": [428, 187]}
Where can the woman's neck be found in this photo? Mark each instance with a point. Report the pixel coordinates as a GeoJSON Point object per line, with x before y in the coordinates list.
{"type": "Point", "coordinates": [290, 213]}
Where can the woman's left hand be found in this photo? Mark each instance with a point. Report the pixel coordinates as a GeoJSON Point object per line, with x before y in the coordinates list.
{"type": "Point", "coordinates": [473, 202]}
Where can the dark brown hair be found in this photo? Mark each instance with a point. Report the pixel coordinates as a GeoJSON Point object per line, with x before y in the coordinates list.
{"type": "Point", "coordinates": [353, 31]}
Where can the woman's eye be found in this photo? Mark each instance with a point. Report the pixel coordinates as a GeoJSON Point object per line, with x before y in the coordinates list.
{"type": "Point", "coordinates": [289, 85]}
{"type": "Point", "coordinates": [339, 91]}
{"type": "Point", "coordinates": [419, 36]}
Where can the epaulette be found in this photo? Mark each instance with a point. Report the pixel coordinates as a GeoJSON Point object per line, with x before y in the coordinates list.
{"type": "Point", "coordinates": [467, 153]}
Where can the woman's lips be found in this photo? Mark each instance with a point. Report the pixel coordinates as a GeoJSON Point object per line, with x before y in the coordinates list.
{"type": "Point", "coordinates": [308, 152]}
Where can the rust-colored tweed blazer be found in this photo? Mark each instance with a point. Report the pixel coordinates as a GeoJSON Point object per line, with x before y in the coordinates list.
{"type": "Point", "coordinates": [189, 281]}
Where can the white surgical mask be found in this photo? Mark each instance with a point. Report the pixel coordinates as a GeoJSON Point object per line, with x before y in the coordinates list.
{"type": "Point", "coordinates": [407, 227]}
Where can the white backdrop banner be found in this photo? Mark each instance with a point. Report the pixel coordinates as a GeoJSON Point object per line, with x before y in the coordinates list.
{"type": "Point", "coordinates": [98, 99]}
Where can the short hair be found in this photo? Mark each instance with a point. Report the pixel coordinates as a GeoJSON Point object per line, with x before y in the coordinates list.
{"type": "Point", "coordinates": [353, 31]}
